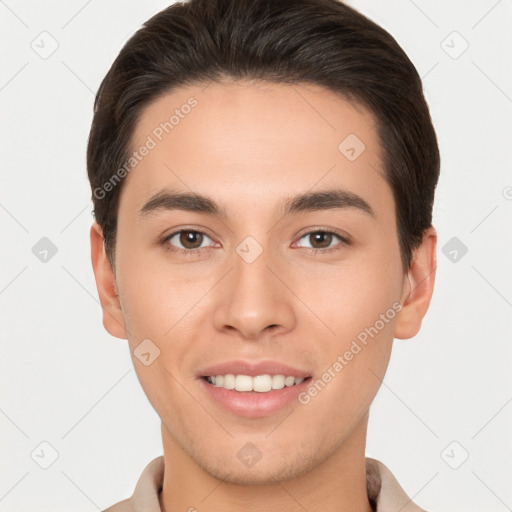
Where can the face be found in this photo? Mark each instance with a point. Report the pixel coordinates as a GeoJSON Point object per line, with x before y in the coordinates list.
{"type": "Point", "coordinates": [256, 276]}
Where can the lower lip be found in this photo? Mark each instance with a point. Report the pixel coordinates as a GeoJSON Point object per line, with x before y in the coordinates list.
{"type": "Point", "coordinates": [254, 404]}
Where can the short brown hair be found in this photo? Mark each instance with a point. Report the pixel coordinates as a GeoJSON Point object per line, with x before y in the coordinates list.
{"type": "Point", "coordinates": [323, 42]}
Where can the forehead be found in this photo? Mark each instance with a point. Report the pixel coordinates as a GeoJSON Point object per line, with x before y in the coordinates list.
{"type": "Point", "coordinates": [252, 140]}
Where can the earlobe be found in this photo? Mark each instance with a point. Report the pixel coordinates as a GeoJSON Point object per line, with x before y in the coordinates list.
{"type": "Point", "coordinates": [113, 319]}
{"type": "Point", "coordinates": [418, 287]}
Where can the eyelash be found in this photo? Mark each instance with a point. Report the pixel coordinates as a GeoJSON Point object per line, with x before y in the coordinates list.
{"type": "Point", "coordinates": [194, 252]}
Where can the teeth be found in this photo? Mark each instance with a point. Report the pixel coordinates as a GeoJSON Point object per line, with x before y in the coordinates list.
{"type": "Point", "coordinates": [278, 382]}
{"type": "Point", "coordinates": [229, 381]}
{"type": "Point", "coordinates": [289, 381]}
{"type": "Point", "coordinates": [260, 383]}
{"type": "Point", "coordinates": [242, 382]}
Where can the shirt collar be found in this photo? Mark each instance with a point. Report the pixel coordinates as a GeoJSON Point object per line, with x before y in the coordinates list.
{"type": "Point", "coordinates": [383, 490]}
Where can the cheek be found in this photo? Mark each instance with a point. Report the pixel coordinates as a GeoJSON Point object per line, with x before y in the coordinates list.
{"type": "Point", "coordinates": [354, 364]}
{"type": "Point", "coordinates": [154, 296]}
{"type": "Point", "coordinates": [167, 306]}
{"type": "Point", "coordinates": [348, 297]}
{"type": "Point", "coordinates": [145, 302]}
{"type": "Point", "coordinates": [359, 304]}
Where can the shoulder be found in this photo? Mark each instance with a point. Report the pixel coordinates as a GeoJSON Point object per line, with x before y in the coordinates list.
{"type": "Point", "coordinates": [145, 495]}
{"type": "Point", "coordinates": [385, 490]}
{"type": "Point", "coordinates": [122, 506]}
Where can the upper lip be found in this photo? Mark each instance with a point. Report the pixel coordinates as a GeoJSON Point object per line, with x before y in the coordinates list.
{"type": "Point", "coordinates": [253, 368]}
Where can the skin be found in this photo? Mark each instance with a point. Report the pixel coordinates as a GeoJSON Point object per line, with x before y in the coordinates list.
{"type": "Point", "coordinates": [250, 145]}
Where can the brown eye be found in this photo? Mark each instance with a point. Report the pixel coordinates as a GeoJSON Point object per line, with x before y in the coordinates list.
{"type": "Point", "coordinates": [323, 241]}
{"type": "Point", "coordinates": [191, 239]}
{"type": "Point", "coordinates": [187, 240]}
{"type": "Point", "coordinates": [320, 239]}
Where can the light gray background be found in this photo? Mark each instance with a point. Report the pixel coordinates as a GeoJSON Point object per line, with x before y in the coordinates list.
{"type": "Point", "coordinates": [65, 381]}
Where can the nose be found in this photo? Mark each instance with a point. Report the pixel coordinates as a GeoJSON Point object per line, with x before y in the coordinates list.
{"type": "Point", "coordinates": [252, 301]}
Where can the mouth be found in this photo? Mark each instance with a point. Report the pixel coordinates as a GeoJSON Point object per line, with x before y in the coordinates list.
{"type": "Point", "coordinates": [253, 389]}
{"type": "Point", "coordinates": [258, 384]}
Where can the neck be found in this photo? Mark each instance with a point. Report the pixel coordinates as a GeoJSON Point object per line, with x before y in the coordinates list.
{"type": "Point", "coordinates": [338, 483]}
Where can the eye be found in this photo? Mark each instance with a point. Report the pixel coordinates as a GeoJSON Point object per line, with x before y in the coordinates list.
{"type": "Point", "coordinates": [186, 241]}
{"type": "Point", "coordinates": [190, 241]}
{"type": "Point", "coordinates": [322, 240]}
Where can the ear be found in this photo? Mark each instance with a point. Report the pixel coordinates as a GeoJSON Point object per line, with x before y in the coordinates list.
{"type": "Point", "coordinates": [418, 287]}
{"type": "Point", "coordinates": [113, 319]}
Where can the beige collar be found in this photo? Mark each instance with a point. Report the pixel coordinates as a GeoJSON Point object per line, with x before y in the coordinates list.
{"type": "Point", "coordinates": [383, 490]}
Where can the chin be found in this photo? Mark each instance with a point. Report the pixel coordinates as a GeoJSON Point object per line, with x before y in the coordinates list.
{"type": "Point", "coordinates": [271, 468]}
{"type": "Point", "coordinates": [268, 474]}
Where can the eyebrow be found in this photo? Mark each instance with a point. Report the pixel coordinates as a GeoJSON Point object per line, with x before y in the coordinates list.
{"type": "Point", "coordinates": [166, 200]}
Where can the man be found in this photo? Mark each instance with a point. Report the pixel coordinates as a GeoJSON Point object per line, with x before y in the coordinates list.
{"type": "Point", "coordinates": [263, 176]}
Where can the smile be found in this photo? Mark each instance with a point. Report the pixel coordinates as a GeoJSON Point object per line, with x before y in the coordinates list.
{"type": "Point", "coordinates": [258, 383]}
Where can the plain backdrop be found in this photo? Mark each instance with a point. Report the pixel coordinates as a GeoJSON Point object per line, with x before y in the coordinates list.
{"type": "Point", "coordinates": [70, 398]}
